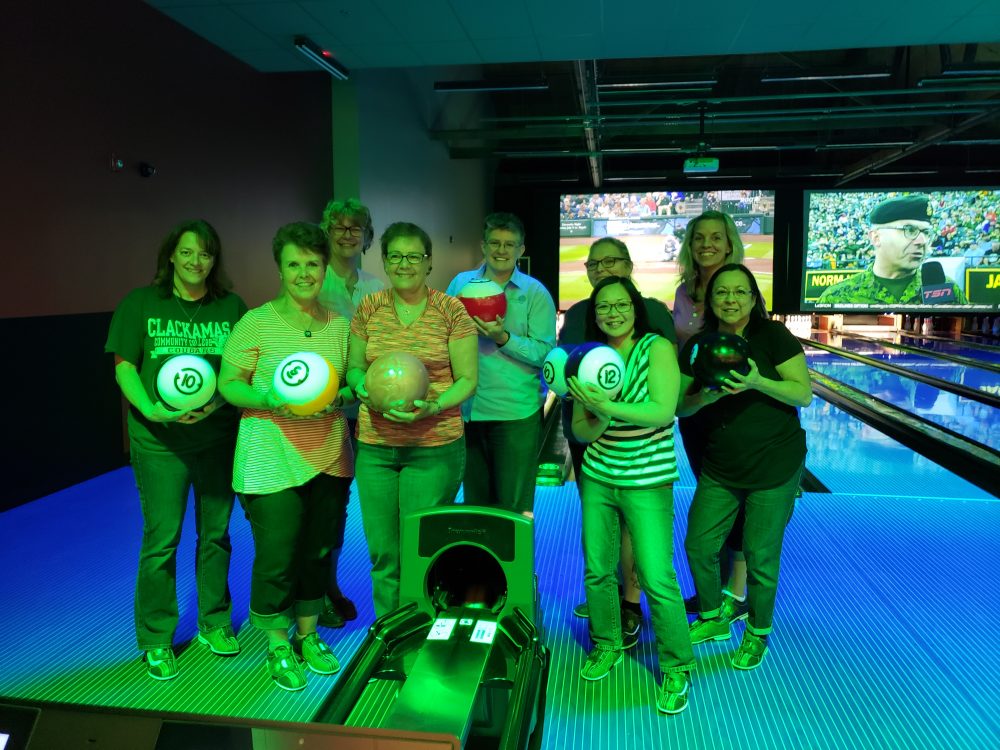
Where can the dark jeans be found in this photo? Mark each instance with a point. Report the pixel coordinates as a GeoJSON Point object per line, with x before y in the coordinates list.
{"type": "Point", "coordinates": [392, 483]}
{"type": "Point", "coordinates": [293, 533]}
{"type": "Point", "coordinates": [163, 481]}
{"type": "Point", "coordinates": [649, 514]}
{"type": "Point", "coordinates": [501, 462]}
{"type": "Point", "coordinates": [710, 519]}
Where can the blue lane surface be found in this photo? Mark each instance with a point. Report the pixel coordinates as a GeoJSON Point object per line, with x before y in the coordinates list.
{"type": "Point", "coordinates": [991, 355]}
{"type": "Point", "coordinates": [972, 377]}
{"type": "Point", "coordinates": [966, 417]}
{"type": "Point", "coordinates": [849, 456]}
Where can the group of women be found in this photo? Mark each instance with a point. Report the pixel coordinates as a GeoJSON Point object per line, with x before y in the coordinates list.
{"type": "Point", "coordinates": [743, 441]}
{"type": "Point", "coordinates": [292, 473]}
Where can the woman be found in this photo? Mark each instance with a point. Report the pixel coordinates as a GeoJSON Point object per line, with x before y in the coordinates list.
{"type": "Point", "coordinates": [711, 241]}
{"type": "Point", "coordinates": [348, 225]}
{"type": "Point", "coordinates": [293, 473]}
{"type": "Point", "coordinates": [187, 310]}
{"type": "Point", "coordinates": [409, 460]}
{"type": "Point", "coordinates": [628, 473]}
{"type": "Point", "coordinates": [609, 257]}
{"type": "Point", "coordinates": [754, 453]}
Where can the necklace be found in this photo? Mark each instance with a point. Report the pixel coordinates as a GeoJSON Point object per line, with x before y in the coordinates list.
{"type": "Point", "coordinates": [407, 312]}
{"type": "Point", "coordinates": [197, 310]}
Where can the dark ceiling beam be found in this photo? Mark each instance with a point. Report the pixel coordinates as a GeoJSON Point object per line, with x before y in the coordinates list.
{"type": "Point", "coordinates": [585, 75]}
{"type": "Point", "coordinates": [932, 137]}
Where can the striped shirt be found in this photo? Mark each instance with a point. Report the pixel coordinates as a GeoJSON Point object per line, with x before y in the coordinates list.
{"type": "Point", "coordinates": [443, 320]}
{"type": "Point", "coordinates": [627, 455]}
{"type": "Point", "coordinates": [273, 452]}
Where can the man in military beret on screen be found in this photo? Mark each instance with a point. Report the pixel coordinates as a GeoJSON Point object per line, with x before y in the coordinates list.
{"type": "Point", "coordinates": [900, 233]}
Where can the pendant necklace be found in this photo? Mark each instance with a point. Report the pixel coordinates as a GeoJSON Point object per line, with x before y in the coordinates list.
{"type": "Point", "coordinates": [197, 310]}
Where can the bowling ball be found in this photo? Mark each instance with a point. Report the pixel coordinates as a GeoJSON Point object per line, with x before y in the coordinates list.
{"type": "Point", "coordinates": [597, 364]}
{"type": "Point", "coordinates": [395, 380]}
{"type": "Point", "coordinates": [307, 382]}
{"type": "Point", "coordinates": [186, 382]}
{"type": "Point", "coordinates": [715, 354]}
{"type": "Point", "coordinates": [554, 370]}
{"type": "Point", "coordinates": [484, 299]}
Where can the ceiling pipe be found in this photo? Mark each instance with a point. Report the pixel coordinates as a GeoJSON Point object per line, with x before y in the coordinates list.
{"type": "Point", "coordinates": [585, 74]}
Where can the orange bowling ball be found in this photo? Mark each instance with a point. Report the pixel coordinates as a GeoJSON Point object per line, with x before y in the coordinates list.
{"type": "Point", "coordinates": [395, 380]}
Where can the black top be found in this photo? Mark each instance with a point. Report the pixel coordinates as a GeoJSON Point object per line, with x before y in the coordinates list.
{"type": "Point", "coordinates": [752, 441]}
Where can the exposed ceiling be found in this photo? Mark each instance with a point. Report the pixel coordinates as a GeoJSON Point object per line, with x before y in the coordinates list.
{"type": "Point", "coordinates": [621, 102]}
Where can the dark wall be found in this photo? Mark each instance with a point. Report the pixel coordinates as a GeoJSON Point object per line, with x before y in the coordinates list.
{"type": "Point", "coordinates": [82, 81]}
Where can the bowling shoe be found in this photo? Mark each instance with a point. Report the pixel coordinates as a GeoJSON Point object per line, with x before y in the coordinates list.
{"type": "Point", "coordinates": [600, 662]}
{"type": "Point", "coordinates": [631, 625]}
{"type": "Point", "coordinates": [221, 641]}
{"type": "Point", "coordinates": [581, 610]}
{"type": "Point", "coordinates": [316, 654]}
{"type": "Point", "coordinates": [713, 629]}
{"type": "Point", "coordinates": [285, 669]}
{"type": "Point", "coordinates": [674, 693]}
{"type": "Point", "coordinates": [752, 650]}
{"type": "Point", "coordinates": [734, 609]}
{"type": "Point", "coordinates": [161, 664]}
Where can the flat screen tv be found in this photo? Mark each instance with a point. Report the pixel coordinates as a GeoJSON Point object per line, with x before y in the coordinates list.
{"type": "Point", "coordinates": [653, 224]}
{"type": "Point", "coordinates": [905, 250]}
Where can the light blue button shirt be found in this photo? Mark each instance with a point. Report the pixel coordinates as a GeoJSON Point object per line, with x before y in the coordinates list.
{"type": "Point", "coordinates": [509, 384]}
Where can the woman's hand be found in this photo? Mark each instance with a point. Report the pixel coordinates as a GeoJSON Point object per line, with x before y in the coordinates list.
{"type": "Point", "coordinates": [589, 396]}
{"type": "Point", "coordinates": [421, 410]}
{"type": "Point", "coordinates": [158, 412]}
{"type": "Point", "coordinates": [737, 383]}
{"type": "Point", "coordinates": [196, 415]}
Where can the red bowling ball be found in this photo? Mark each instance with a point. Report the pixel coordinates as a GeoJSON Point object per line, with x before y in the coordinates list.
{"type": "Point", "coordinates": [395, 380]}
{"type": "Point", "coordinates": [484, 299]}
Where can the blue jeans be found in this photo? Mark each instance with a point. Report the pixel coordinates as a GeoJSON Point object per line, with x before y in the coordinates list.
{"type": "Point", "coordinates": [164, 480]}
{"type": "Point", "coordinates": [293, 534]}
{"type": "Point", "coordinates": [393, 483]}
{"type": "Point", "coordinates": [710, 518]}
{"type": "Point", "coordinates": [501, 462]}
{"type": "Point", "coordinates": [649, 515]}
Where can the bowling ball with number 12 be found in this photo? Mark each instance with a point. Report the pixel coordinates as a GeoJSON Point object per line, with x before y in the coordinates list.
{"type": "Point", "coordinates": [598, 365]}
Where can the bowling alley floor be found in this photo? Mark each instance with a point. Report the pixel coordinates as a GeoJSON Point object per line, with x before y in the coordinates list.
{"type": "Point", "coordinates": [883, 634]}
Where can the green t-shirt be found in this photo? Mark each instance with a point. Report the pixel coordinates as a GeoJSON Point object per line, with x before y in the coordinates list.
{"type": "Point", "coordinates": [146, 330]}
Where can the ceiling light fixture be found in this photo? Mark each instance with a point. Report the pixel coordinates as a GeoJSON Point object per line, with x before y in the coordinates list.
{"type": "Point", "coordinates": [320, 57]}
{"type": "Point", "coordinates": [473, 86]}
{"type": "Point", "coordinates": [787, 78]}
{"type": "Point", "coordinates": [658, 84]}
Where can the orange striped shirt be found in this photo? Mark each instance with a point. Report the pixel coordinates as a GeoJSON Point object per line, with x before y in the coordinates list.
{"type": "Point", "coordinates": [273, 452]}
{"type": "Point", "coordinates": [443, 320]}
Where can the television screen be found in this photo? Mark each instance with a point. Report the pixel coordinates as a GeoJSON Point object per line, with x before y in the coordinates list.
{"type": "Point", "coordinates": [653, 224]}
{"type": "Point", "coordinates": [902, 250]}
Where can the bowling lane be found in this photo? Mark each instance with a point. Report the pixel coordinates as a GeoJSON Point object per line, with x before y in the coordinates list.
{"type": "Point", "coordinates": [850, 456]}
{"type": "Point", "coordinates": [972, 419]}
{"type": "Point", "coordinates": [972, 377]}
{"type": "Point", "coordinates": [945, 346]}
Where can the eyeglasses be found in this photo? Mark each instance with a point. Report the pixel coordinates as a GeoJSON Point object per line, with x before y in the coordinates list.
{"type": "Point", "coordinates": [605, 308]}
{"type": "Point", "coordinates": [741, 295]}
{"type": "Point", "coordinates": [394, 259]}
{"type": "Point", "coordinates": [497, 244]}
{"type": "Point", "coordinates": [340, 230]}
{"type": "Point", "coordinates": [910, 231]}
{"type": "Point", "coordinates": [609, 262]}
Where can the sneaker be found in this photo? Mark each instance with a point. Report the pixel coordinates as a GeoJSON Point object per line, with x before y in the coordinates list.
{"type": "Point", "coordinates": [691, 605]}
{"type": "Point", "coordinates": [285, 670]}
{"type": "Point", "coordinates": [161, 664]}
{"type": "Point", "coordinates": [674, 693]}
{"type": "Point", "coordinates": [715, 629]}
{"type": "Point", "coordinates": [221, 641]}
{"type": "Point", "coordinates": [581, 610]}
{"type": "Point", "coordinates": [316, 654]}
{"type": "Point", "coordinates": [752, 650]}
{"type": "Point", "coordinates": [733, 609]}
{"type": "Point", "coordinates": [599, 662]}
{"type": "Point", "coordinates": [631, 625]}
